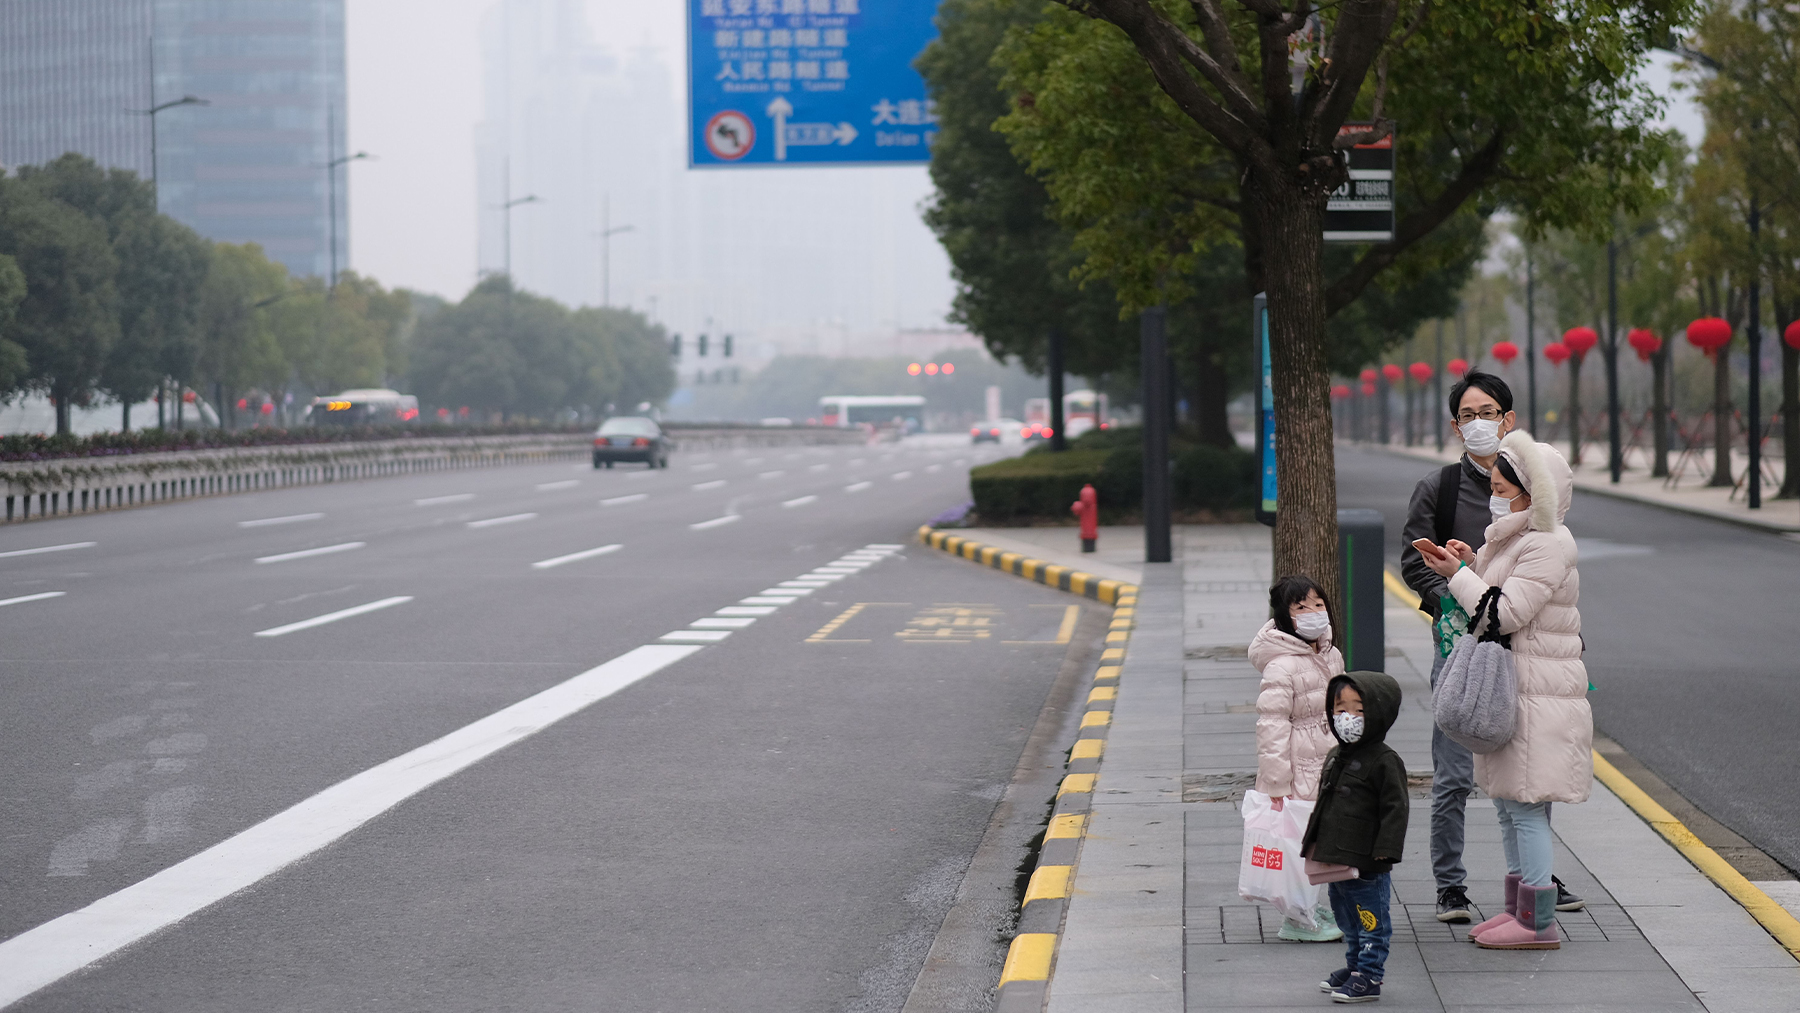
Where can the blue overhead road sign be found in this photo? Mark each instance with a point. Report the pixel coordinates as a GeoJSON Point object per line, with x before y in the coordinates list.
{"type": "Point", "coordinates": [808, 82]}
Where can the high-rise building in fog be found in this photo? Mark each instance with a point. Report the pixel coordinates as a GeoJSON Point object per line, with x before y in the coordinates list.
{"type": "Point", "coordinates": [249, 166]}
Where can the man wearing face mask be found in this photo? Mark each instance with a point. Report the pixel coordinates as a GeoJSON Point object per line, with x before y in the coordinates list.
{"type": "Point", "coordinates": [1456, 501]}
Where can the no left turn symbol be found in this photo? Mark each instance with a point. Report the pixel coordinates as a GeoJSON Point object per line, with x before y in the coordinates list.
{"type": "Point", "coordinates": [729, 135]}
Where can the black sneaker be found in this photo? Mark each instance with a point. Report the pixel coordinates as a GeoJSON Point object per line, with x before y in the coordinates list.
{"type": "Point", "coordinates": [1565, 901]}
{"type": "Point", "coordinates": [1336, 980]}
{"type": "Point", "coordinates": [1357, 989]}
{"type": "Point", "coordinates": [1453, 904]}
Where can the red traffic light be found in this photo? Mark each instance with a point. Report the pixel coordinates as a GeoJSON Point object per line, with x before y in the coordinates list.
{"type": "Point", "coordinates": [912, 369]}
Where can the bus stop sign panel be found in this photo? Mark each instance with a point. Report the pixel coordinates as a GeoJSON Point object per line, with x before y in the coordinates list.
{"type": "Point", "coordinates": [1362, 209]}
{"type": "Point", "coordinates": [808, 82]}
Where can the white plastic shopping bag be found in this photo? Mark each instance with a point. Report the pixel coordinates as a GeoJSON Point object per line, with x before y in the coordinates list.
{"type": "Point", "coordinates": [1271, 870]}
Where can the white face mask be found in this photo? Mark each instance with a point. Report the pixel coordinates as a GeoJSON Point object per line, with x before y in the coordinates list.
{"type": "Point", "coordinates": [1500, 507]}
{"type": "Point", "coordinates": [1312, 625]}
{"type": "Point", "coordinates": [1481, 437]}
{"type": "Point", "coordinates": [1349, 726]}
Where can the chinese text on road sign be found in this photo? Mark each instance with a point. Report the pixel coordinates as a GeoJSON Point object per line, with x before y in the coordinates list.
{"type": "Point", "coordinates": [795, 82]}
{"type": "Point", "coordinates": [1362, 209]}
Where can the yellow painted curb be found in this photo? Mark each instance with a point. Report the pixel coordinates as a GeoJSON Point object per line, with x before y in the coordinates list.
{"type": "Point", "coordinates": [1088, 749]}
{"type": "Point", "coordinates": [1094, 718]}
{"type": "Point", "coordinates": [1076, 784]}
{"type": "Point", "coordinates": [1398, 588]}
{"type": "Point", "coordinates": [1028, 959]}
{"type": "Point", "coordinates": [1049, 882]}
{"type": "Point", "coordinates": [1107, 672]}
{"type": "Point", "coordinates": [1103, 693]}
{"type": "Point", "coordinates": [1063, 578]}
{"type": "Point", "coordinates": [1067, 825]}
{"type": "Point", "coordinates": [1770, 915]}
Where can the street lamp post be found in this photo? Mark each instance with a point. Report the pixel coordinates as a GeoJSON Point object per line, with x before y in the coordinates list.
{"type": "Point", "coordinates": [607, 231]}
{"type": "Point", "coordinates": [331, 168]}
{"type": "Point", "coordinates": [185, 100]}
{"type": "Point", "coordinates": [506, 207]}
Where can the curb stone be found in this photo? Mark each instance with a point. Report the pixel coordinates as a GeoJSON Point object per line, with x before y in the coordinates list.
{"type": "Point", "coordinates": [1030, 959]}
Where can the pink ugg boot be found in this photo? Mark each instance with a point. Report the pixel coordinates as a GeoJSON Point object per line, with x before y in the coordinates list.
{"type": "Point", "coordinates": [1533, 928]}
{"type": "Point", "coordinates": [1512, 908]}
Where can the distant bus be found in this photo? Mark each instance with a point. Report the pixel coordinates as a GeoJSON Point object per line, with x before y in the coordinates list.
{"type": "Point", "coordinates": [363, 407]}
{"type": "Point", "coordinates": [849, 410]}
{"type": "Point", "coordinates": [1082, 410]}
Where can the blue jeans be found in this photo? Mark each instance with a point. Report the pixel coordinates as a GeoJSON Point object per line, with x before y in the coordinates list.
{"type": "Point", "coordinates": [1361, 907]}
{"type": "Point", "coordinates": [1525, 834]}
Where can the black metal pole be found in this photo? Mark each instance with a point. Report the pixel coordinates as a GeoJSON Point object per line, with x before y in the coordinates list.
{"type": "Point", "coordinates": [1437, 386]}
{"type": "Point", "coordinates": [1053, 364]}
{"type": "Point", "coordinates": [1531, 424]}
{"type": "Point", "coordinates": [1615, 454]}
{"type": "Point", "coordinates": [1153, 363]}
{"type": "Point", "coordinates": [1754, 334]}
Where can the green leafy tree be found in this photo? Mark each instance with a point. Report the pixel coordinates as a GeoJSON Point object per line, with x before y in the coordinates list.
{"type": "Point", "coordinates": [626, 359]}
{"type": "Point", "coordinates": [13, 363]}
{"type": "Point", "coordinates": [239, 347]}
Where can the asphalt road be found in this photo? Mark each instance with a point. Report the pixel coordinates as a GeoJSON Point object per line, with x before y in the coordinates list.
{"type": "Point", "coordinates": [1691, 641]}
{"type": "Point", "coordinates": [777, 821]}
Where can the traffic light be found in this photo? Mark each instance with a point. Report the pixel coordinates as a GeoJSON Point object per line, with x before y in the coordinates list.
{"type": "Point", "coordinates": [726, 348]}
{"type": "Point", "coordinates": [675, 346]}
{"type": "Point", "coordinates": [701, 342]}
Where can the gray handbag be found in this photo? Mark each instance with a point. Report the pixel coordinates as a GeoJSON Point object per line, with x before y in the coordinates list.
{"type": "Point", "coordinates": [1476, 702]}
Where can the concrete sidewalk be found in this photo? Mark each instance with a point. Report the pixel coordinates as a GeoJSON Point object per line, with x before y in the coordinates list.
{"type": "Point", "coordinates": [1154, 922]}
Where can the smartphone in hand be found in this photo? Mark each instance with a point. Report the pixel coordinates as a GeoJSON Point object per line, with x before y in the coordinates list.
{"type": "Point", "coordinates": [1428, 547]}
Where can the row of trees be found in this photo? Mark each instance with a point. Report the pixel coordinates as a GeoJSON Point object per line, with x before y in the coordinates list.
{"type": "Point", "coordinates": [1182, 155]}
{"type": "Point", "coordinates": [103, 299]}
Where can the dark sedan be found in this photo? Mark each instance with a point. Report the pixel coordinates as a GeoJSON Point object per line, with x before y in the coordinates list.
{"type": "Point", "coordinates": [630, 438]}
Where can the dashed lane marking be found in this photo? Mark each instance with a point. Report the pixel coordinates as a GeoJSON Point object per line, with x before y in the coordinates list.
{"type": "Point", "coordinates": [697, 636]}
{"type": "Point", "coordinates": [721, 623]}
{"type": "Point", "coordinates": [48, 548]}
{"type": "Point", "coordinates": [747, 610]}
{"type": "Point", "coordinates": [323, 550]}
{"type": "Point", "coordinates": [263, 522]}
{"type": "Point", "coordinates": [565, 484]}
{"type": "Point", "coordinates": [459, 497]}
{"type": "Point", "coordinates": [769, 599]}
{"type": "Point", "coordinates": [901, 476]}
{"type": "Point", "coordinates": [40, 956]}
{"type": "Point", "coordinates": [801, 501]}
{"type": "Point", "coordinates": [332, 617]}
{"type": "Point", "coordinates": [41, 595]}
{"type": "Point", "coordinates": [703, 486]}
{"type": "Point", "coordinates": [716, 522]}
{"type": "Point", "coordinates": [575, 557]}
{"type": "Point", "coordinates": [702, 467]}
{"type": "Point", "coordinates": [772, 474]}
{"type": "Point", "coordinates": [857, 486]}
{"type": "Point", "coordinates": [817, 467]}
{"type": "Point", "coordinates": [620, 500]}
{"type": "Point", "coordinates": [508, 519]}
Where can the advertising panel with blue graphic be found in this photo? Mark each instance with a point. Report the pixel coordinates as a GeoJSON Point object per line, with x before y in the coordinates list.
{"type": "Point", "coordinates": [808, 82]}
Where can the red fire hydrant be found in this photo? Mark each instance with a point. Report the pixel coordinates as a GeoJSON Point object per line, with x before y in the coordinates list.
{"type": "Point", "coordinates": [1088, 509]}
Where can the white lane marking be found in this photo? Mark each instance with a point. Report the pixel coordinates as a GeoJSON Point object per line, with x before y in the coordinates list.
{"type": "Point", "coordinates": [565, 484]}
{"type": "Point", "coordinates": [890, 546]}
{"type": "Point", "coordinates": [716, 522]}
{"type": "Point", "coordinates": [616, 500]}
{"type": "Point", "coordinates": [745, 610]}
{"type": "Point", "coordinates": [802, 501]}
{"type": "Point", "coordinates": [770, 599]}
{"type": "Point", "coordinates": [857, 486]}
{"type": "Point", "coordinates": [754, 461]}
{"type": "Point", "coordinates": [323, 550]}
{"type": "Point", "coordinates": [702, 467]}
{"type": "Point", "coordinates": [788, 591]}
{"type": "Point", "coordinates": [575, 557]}
{"type": "Point", "coordinates": [820, 582]}
{"type": "Point", "coordinates": [49, 548]}
{"type": "Point", "coordinates": [858, 460]}
{"type": "Point", "coordinates": [40, 596]}
{"type": "Point", "coordinates": [697, 636]}
{"type": "Point", "coordinates": [959, 462]}
{"type": "Point", "coordinates": [437, 500]}
{"type": "Point", "coordinates": [263, 522]}
{"type": "Point", "coordinates": [817, 467]}
{"type": "Point", "coordinates": [36, 958]}
{"type": "Point", "coordinates": [710, 623]}
{"type": "Point", "coordinates": [772, 474]}
{"type": "Point", "coordinates": [703, 486]}
{"type": "Point", "coordinates": [508, 519]}
{"type": "Point", "coordinates": [332, 617]}
{"type": "Point", "coordinates": [901, 476]}
{"type": "Point", "coordinates": [932, 469]}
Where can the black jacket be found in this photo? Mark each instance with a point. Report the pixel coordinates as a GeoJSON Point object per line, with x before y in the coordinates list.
{"type": "Point", "coordinates": [1471, 525]}
{"type": "Point", "coordinates": [1362, 808]}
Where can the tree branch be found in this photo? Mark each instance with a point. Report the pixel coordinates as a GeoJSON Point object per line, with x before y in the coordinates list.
{"type": "Point", "coordinates": [1358, 39]}
{"type": "Point", "coordinates": [1232, 86]}
{"type": "Point", "coordinates": [1476, 173]}
{"type": "Point", "coordinates": [1154, 36]}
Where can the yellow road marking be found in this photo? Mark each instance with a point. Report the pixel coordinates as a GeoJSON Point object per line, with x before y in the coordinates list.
{"type": "Point", "coordinates": [1048, 882]}
{"type": "Point", "coordinates": [1107, 672]}
{"type": "Point", "coordinates": [1067, 826]}
{"type": "Point", "coordinates": [1093, 719]}
{"type": "Point", "coordinates": [1398, 589]}
{"type": "Point", "coordinates": [824, 633]}
{"type": "Point", "coordinates": [1075, 784]}
{"type": "Point", "coordinates": [1103, 693]}
{"type": "Point", "coordinates": [1088, 749]}
{"type": "Point", "coordinates": [1028, 958]}
{"type": "Point", "coordinates": [1064, 632]}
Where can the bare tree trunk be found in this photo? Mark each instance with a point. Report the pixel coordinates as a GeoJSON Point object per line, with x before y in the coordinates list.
{"type": "Point", "coordinates": [1659, 411]}
{"type": "Point", "coordinates": [1790, 419]}
{"type": "Point", "coordinates": [1574, 411]}
{"type": "Point", "coordinates": [125, 415]}
{"type": "Point", "coordinates": [1721, 475]}
{"type": "Point", "coordinates": [1210, 395]}
{"type": "Point", "coordinates": [61, 401]}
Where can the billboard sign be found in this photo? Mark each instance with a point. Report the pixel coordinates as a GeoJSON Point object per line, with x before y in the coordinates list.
{"type": "Point", "coordinates": [808, 82]}
{"type": "Point", "coordinates": [1362, 209]}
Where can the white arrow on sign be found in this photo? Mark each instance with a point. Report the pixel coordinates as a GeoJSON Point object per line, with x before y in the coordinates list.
{"type": "Point", "coordinates": [803, 134]}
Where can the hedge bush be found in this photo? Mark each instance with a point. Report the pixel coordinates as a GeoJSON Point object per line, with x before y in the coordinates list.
{"type": "Point", "coordinates": [1020, 490]}
{"type": "Point", "coordinates": [1206, 482]}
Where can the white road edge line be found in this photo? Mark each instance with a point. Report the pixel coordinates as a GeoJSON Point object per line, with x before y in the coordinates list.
{"type": "Point", "coordinates": [508, 519]}
{"type": "Point", "coordinates": [575, 557]}
{"type": "Point", "coordinates": [716, 522]}
{"type": "Point", "coordinates": [565, 484]}
{"type": "Point", "coordinates": [857, 486]}
{"type": "Point", "coordinates": [307, 624]}
{"type": "Point", "coordinates": [40, 956]}
{"type": "Point", "coordinates": [714, 484]}
{"type": "Point", "coordinates": [616, 500]}
{"type": "Point", "coordinates": [802, 501]}
{"type": "Point", "coordinates": [40, 596]}
{"type": "Point", "coordinates": [48, 548]}
{"type": "Point", "coordinates": [452, 498]}
{"type": "Point", "coordinates": [324, 550]}
{"type": "Point", "coordinates": [264, 522]}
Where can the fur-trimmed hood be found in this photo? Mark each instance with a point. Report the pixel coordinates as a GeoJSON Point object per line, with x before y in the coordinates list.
{"type": "Point", "coordinates": [1546, 476]}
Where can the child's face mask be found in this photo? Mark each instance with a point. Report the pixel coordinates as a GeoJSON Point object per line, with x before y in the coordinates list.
{"type": "Point", "coordinates": [1349, 726]}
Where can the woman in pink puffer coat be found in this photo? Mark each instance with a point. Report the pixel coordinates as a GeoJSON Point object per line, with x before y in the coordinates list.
{"type": "Point", "coordinates": [1530, 556]}
{"type": "Point", "coordinates": [1294, 654]}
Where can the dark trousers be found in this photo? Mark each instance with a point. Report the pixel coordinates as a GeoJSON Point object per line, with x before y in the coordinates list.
{"type": "Point", "coordinates": [1361, 907]}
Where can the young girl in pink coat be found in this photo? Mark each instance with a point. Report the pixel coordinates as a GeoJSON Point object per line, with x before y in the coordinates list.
{"type": "Point", "coordinates": [1294, 654]}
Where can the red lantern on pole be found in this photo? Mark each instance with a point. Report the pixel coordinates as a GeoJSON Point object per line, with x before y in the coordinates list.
{"type": "Point", "coordinates": [1645, 342]}
{"type": "Point", "coordinates": [1368, 388]}
{"type": "Point", "coordinates": [1709, 334]}
{"type": "Point", "coordinates": [1580, 340]}
{"type": "Point", "coordinates": [1340, 391]}
{"type": "Point", "coordinates": [1368, 376]}
{"type": "Point", "coordinates": [1557, 353]}
{"type": "Point", "coordinates": [1457, 366]}
{"type": "Point", "coordinates": [1792, 335]}
{"type": "Point", "coordinates": [1392, 372]}
{"type": "Point", "coordinates": [1506, 352]}
{"type": "Point", "coordinates": [1421, 371]}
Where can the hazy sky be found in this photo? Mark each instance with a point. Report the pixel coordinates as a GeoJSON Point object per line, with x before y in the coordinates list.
{"type": "Point", "coordinates": [415, 81]}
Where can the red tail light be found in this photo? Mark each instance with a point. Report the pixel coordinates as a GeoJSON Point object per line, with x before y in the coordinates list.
{"type": "Point", "coordinates": [975, 431]}
{"type": "Point", "coordinates": [640, 442]}
{"type": "Point", "coordinates": [994, 432]}
{"type": "Point", "coordinates": [599, 441]}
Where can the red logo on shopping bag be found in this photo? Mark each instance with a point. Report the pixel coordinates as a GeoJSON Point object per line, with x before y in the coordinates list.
{"type": "Point", "coordinates": [1265, 858]}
